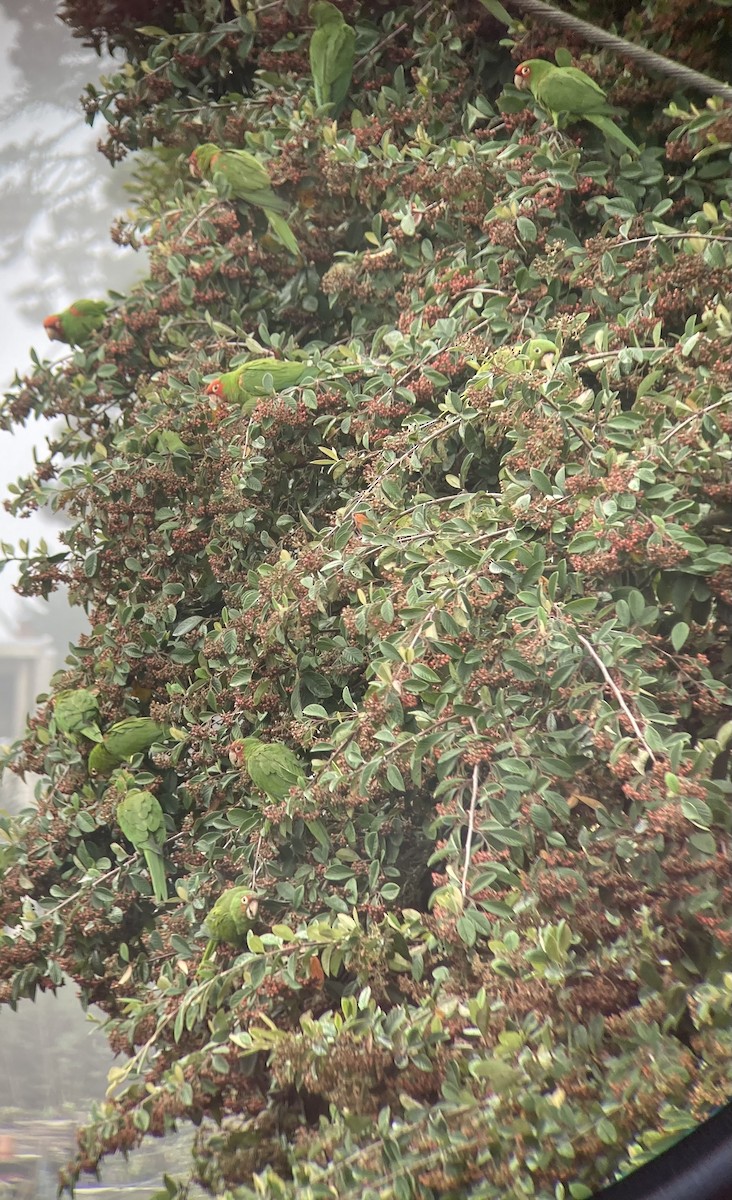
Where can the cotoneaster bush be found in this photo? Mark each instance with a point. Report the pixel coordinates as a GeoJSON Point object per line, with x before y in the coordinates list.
{"type": "Point", "coordinates": [489, 609]}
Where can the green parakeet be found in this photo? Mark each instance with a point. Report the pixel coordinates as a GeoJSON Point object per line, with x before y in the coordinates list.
{"type": "Point", "coordinates": [142, 821]}
{"type": "Point", "coordinates": [332, 51]}
{"type": "Point", "coordinates": [272, 766]}
{"type": "Point", "coordinates": [245, 383]}
{"type": "Point", "coordinates": [249, 181]}
{"type": "Point", "coordinates": [230, 919]}
{"type": "Point", "coordinates": [123, 741]}
{"type": "Point", "coordinates": [567, 91]}
{"type": "Point", "coordinates": [513, 360]}
{"type": "Point", "coordinates": [75, 709]}
{"type": "Point", "coordinates": [76, 323]}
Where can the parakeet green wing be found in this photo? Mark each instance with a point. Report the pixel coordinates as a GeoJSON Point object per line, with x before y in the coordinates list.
{"type": "Point", "coordinates": [142, 821]}
{"type": "Point", "coordinates": [567, 89]}
{"type": "Point", "coordinates": [272, 766]}
{"type": "Point", "coordinates": [132, 736]}
{"type": "Point", "coordinates": [74, 709]}
{"type": "Point", "coordinates": [332, 52]}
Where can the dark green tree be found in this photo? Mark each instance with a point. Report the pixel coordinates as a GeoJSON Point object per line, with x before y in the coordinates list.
{"type": "Point", "coordinates": [473, 569]}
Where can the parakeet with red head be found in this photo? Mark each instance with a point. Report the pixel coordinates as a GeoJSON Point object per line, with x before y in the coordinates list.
{"type": "Point", "coordinates": [271, 766]}
{"type": "Point", "coordinates": [230, 919]}
{"type": "Point", "coordinates": [76, 323]}
{"type": "Point", "coordinates": [569, 92]}
{"type": "Point", "coordinates": [244, 384]}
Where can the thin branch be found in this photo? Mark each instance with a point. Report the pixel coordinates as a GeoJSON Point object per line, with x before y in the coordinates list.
{"type": "Point", "coordinates": [617, 693]}
{"type": "Point", "coordinates": [471, 830]}
{"type": "Point", "coordinates": [694, 417]}
{"type": "Point", "coordinates": [654, 237]}
{"type": "Point", "coordinates": [391, 35]}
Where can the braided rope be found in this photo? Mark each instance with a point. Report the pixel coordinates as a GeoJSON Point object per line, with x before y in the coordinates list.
{"type": "Point", "coordinates": [639, 54]}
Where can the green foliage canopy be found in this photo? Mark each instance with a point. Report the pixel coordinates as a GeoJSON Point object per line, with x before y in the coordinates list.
{"type": "Point", "coordinates": [492, 618]}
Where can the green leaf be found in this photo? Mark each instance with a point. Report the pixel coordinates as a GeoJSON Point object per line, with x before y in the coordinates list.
{"type": "Point", "coordinates": [496, 9]}
{"type": "Point", "coordinates": [696, 811]}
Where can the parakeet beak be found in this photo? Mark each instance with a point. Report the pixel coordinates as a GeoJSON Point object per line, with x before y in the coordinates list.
{"type": "Point", "coordinates": [193, 165]}
{"type": "Point", "coordinates": [519, 82]}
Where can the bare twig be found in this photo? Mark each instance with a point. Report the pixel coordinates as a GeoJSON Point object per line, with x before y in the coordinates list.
{"type": "Point", "coordinates": [667, 437]}
{"type": "Point", "coordinates": [391, 35]}
{"type": "Point", "coordinates": [471, 829]}
{"type": "Point", "coordinates": [616, 692]}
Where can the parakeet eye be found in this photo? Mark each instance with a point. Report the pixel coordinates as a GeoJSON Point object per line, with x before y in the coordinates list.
{"type": "Point", "coordinates": [524, 72]}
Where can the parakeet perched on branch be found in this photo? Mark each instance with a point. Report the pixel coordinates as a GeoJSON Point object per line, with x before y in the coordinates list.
{"type": "Point", "coordinates": [567, 91]}
{"type": "Point", "coordinates": [123, 741]}
{"type": "Point", "coordinates": [272, 766]}
{"type": "Point", "coordinates": [245, 383]}
{"type": "Point", "coordinates": [142, 821]}
{"type": "Point", "coordinates": [230, 919]}
{"type": "Point", "coordinates": [513, 360]}
{"type": "Point", "coordinates": [249, 181]}
{"type": "Point", "coordinates": [332, 51]}
{"type": "Point", "coordinates": [77, 322]}
{"type": "Point", "coordinates": [74, 710]}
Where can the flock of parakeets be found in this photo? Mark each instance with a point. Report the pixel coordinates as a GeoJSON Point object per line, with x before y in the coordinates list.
{"type": "Point", "coordinates": [272, 767]}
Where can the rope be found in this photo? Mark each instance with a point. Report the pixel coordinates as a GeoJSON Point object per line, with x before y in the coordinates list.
{"type": "Point", "coordinates": [639, 54]}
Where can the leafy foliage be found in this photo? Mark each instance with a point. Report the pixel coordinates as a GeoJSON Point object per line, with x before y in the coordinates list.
{"type": "Point", "coordinates": [485, 596]}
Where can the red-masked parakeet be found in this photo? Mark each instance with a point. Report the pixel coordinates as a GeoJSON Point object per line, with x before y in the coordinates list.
{"type": "Point", "coordinates": [77, 322]}
{"type": "Point", "coordinates": [245, 383]}
{"type": "Point", "coordinates": [249, 181]}
{"type": "Point", "coordinates": [513, 360]}
{"type": "Point", "coordinates": [142, 821]}
{"type": "Point", "coordinates": [272, 766]}
{"type": "Point", "coordinates": [230, 919]}
{"type": "Point", "coordinates": [74, 710]}
{"type": "Point", "coordinates": [567, 91]}
{"type": "Point", "coordinates": [123, 741]}
{"type": "Point", "coordinates": [332, 51]}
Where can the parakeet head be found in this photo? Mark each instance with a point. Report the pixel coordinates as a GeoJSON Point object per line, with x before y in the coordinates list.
{"type": "Point", "coordinates": [531, 72]}
{"type": "Point", "coordinates": [216, 389]}
{"type": "Point", "coordinates": [240, 750]}
{"type": "Point", "coordinates": [193, 166]}
{"type": "Point", "coordinates": [522, 76]}
{"type": "Point", "coordinates": [54, 328]}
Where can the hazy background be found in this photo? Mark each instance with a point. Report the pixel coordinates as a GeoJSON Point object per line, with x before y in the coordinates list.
{"type": "Point", "coordinates": [58, 197]}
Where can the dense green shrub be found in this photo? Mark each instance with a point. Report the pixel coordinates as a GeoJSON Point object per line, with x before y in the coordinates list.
{"type": "Point", "coordinates": [492, 952]}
